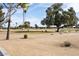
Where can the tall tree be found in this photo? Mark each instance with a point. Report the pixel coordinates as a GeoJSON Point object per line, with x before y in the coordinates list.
{"type": "Point", "coordinates": [57, 16]}
{"type": "Point", "coordinates": [25, 7]}
{"type": "Point", "coordinates": [10, 7]}
{"type": "Point", "coordinates": [53, 15]}
{"type": "Point", "coordinates": [1, 15]}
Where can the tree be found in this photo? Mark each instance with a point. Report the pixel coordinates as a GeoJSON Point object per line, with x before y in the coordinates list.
{"type": "Point", "coordinates": [16, 25]}
{"type": "Point", "coordinates": [36, 26]}
{"type": "Point", "coordinates": [69, 17]}
{"type": "Point", "coordinates": [72, 14]}
{"type": "Point", "coordinates": [1, 15]}
{"type": "Point", "coordinates": [26, 24]}
{"type": "Point", "coordinates": [55, 15]}
{"type": "Point", "coordinates": [46, 22]}
{"type": "Point", "coordinates": [25, 7]}
{"type": "Point", "coordinates": [10, 7]}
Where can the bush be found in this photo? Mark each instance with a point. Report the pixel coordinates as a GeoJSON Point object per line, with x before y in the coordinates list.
{"type": "Point", "coordinates": [66, 44]}
{"type": "Point", "coordinates": [42, 30]}
{"type": "Point", "coordinates": [25, 36]}
{"type": "Point", "coordinates": [45, 30]}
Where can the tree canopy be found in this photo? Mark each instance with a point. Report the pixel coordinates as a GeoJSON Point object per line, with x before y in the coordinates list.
{"type": "Point", "coordinates": [55, 15]}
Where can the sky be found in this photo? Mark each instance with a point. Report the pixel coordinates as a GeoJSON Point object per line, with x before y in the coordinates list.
{"type": "Point", "coordinates": [36, 13]}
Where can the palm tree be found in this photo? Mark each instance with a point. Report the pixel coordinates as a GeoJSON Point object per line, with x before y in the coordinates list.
{"type": "Point", "coordinates": [24, 6]}
{"type": "Point", "coordinates": [16, 25]}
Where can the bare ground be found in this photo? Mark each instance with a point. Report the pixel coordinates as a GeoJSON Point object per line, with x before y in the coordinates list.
{"type": "Point", "coordinates": [40, 44]}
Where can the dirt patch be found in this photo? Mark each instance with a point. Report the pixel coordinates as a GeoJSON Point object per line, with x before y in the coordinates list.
{"type": "Point", "coordinates": [40, 44]}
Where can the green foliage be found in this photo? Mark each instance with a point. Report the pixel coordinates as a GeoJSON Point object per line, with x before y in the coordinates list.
{"type": "Point", "coordinates": [36, 26]}
{"type": "Point", "coordinates": [25, 25]}
{"type": "Point", "coordinates": [1, 14]}
{"type": "Point", "coordinates": [24, 6]}
{"type": "Point", "coordinates": [55, 15]}
{"type": "Point", "coordinates": [47, 22]}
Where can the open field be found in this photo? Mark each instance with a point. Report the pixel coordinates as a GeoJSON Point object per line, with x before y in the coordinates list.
{"type": "Point", "coordinates": [40, 44]}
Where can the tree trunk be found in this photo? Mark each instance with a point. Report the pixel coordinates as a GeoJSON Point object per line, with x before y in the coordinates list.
{"type": "Point", "coordinates": [48, 26]}
{"type": "Point", "coordinates": [23, 17]}
{"type": "Point", "coordinates": [8, 30]}
{"type": "Point", "coordinates": [58, 29]}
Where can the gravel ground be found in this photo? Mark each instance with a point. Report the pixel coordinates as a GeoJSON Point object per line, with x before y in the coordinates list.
{"type": "Point", "coordinates": [40, 44]}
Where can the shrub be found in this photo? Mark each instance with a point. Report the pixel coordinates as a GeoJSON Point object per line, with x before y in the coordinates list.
{"type": "Point", "coordinates": [42, 30]}
{"type": "Point", "coordinates": [45, 30]}
{"type": "Point", "coordinates": [66, 44]}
